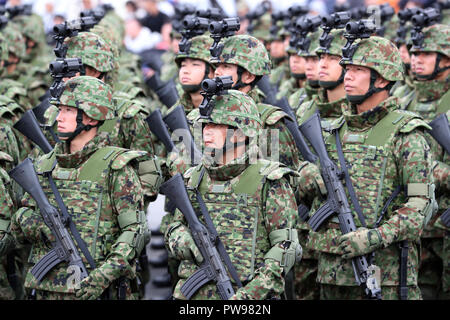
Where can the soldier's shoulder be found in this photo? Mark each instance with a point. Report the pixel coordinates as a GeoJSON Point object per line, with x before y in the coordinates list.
{"type": "Point", "coordinates": [274, 170]}
{"type": "Point", "coordinates": [411, 121]}
{"type": "Point", "coordinates": [124, 157]}
{"type": "Point", "coordinates": [270, 114]}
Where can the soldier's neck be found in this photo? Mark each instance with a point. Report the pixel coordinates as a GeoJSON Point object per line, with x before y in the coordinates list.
{"type": "Point", "coordinates": [82, 139]}
{"type": "Point", "coordinates": [232, 154]}
{"type": "Point", "coordinates": [373, 101]}
{"type": "Point", "coordinates": [336, 94]}
{"type": "Point", "coordinates": [196, 98]}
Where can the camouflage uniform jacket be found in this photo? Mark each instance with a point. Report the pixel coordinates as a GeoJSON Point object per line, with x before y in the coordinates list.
{"type": "Point", "coordinates": [301, 96]}
{"type": "Point", "coordinates": [279, 74]}
{"type": "Point", "coordinates": [384, 147]}
{"type": "Point", "coordinates": [100, 184]}
{"type": "Point", "coordinates": [246, 203]}
{"type": "Point", "coordinates": [428, 100]}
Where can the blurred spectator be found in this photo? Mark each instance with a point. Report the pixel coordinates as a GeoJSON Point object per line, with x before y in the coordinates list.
{"type": "Point", "coordinates": [131, 9]}
{"type": "Point", "coordinates": [57, 19]}
{"type": "Point", "coordinates": [154, 19]}
{"type": "Point", "coordinates": [139, 38]}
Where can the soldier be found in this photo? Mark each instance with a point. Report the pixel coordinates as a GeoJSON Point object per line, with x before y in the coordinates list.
{"type": "Point", "coordinates": [384, 149]}
{"type": "Point", "coordinates": [311, 71]}
{"type": "Point", "coordinates": [108, 213]}
{"type": "Point", "coordinates": [430, 63]}
{"type": "Point", "coordinates": [278, 55]}
{"type": "Point", "coordinates": [245, 59]}
{"type": "Point", "coordinates": [256, 231]}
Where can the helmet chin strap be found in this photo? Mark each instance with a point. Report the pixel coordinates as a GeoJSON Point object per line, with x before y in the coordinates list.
{"type": "Point", "coordinates": [239, 84]}
{"type": "Point", "coordinates": [436, 70]}
{"type": "Point", "coordinates": [358, 99]}
{"type": "Point", "coordinates": [69, 136]}
{"type": "Point", "coordinates": [331, 85]}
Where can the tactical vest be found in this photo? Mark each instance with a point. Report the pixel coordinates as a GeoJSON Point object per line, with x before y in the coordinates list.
{"type": "Point", "coordinates": [372, 150]}
{"type": "Point", "coordinates": [239, 215]}
{"type": "Point", "coordinates": [85, 191]}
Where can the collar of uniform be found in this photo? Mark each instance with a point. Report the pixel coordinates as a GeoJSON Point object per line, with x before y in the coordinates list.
{"type": "Point", "coordinates": [256, 94]}
{"type": "Point", "coordinates": [74, 160]}
{"type": "Point", "coordinates": [186, 102]}
{"type": "Point", "coordinates": [431, 90]}
{"type": "Point", "coordinates": [328, 109]}
{"type": "Point", "coordinates": [228, 171]}
{"type": "Point", "coordinates": [368, 118]}
{"type": "Point", "coordinates": [310, 91]}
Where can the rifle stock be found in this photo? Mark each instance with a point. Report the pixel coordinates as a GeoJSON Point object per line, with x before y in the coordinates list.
{"type": "Point", "coordinates": [158, 127]}
{"type": "Point", "coordinates": [64, 249]}
{"type": "Point", "coordinates": [337, 202]}
{"type": "Point", "coordinates": [28, 126]}
{"type": "Point", "coordinates": [212, 267]}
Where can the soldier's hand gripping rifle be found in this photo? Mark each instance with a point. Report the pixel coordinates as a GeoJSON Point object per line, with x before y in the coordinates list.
{"type": "Point", "coordinates": [337, 203]}
{"type": "Point", "coordinates": [212, 267]}
{"type": "Point", "coordinates": [64, 249]}
{"type": "Point", "coordinates": [221, 29]}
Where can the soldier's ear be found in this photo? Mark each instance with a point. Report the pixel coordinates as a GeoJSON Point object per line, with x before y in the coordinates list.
{"type": "Point", "coordinates": [247, 77]}
{"type": "Point", "coordinates": [381, 82]}
{"type": "Point", "coordinates": [445, 62]}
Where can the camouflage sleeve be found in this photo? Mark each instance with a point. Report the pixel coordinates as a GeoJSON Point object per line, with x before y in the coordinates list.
{"type": "Point", "coordinates": [280, 213]}
{"type": "Point", "coordinates": [414, 163]}
{"type": "Point", "coordinates": [441, 174]}
{"type": "Point", "coordinates": [137, 134]}
{"type": "Point", "coordinates": [6, 211]}
{"type": "Point", "coordinates": [127, 199]}
{"type": "Point", "coordinates": [310, 184]}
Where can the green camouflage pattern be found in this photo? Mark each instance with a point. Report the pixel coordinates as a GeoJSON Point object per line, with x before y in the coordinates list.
{"type": "Point", "coordinates": [92, 49]}
{"type": "Point", "coordinates": [15, 39]}
{"type": "Point", "coordinates": [314, 44]}
{"type": "Point", "coordinates": [89, 94]}
{"type": "Point", "coordinates": [4, 50]}
{"type": "Point", "coordinates": [199, 50]}
{"type": "Point", "coordinates": [378, 54]}
{"type": "Point", "coordinates": [243, 224]}
{"type": "Point", "coordinates": [235, 109]}
{"type": "Point", "coordinates": [117, 186]}
{"type": "Point", "coordinates": [248, 52]}
{"type": "Point", "coordinates": [373, 155]}
{"type": "Point", "coordinates": [436, 39]}
{"type": "Point", "coordinates": [261, 28]}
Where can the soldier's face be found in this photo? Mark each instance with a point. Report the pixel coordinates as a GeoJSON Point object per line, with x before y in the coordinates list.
{"type": "Point", "coordinates": [329, 67]}
{"type": "Point", "coordinates": [406, 58]}
{"type": "Point", "coordinates": [277, 49]}
{"type": "Point", "coordinates": [192, 71]}
{"type": "Point", "coordinates": [227, 69]}
{"type": "Point", "coordinates": [423, 63]}
{"type": "Point", "coordinates": [297, 64]}
{"type": "Point", "coordinates": [67, 119]}
{"type": "Point", "coordinates": [356, 80]}
{"type": "Point", "coordinates": [312, 68]}
{"type": "Point", "coordinates": [214, 135]}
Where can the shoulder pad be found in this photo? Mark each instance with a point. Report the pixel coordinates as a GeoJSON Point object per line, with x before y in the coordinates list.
{"type": "Point", "coordinates": [5, 156]}
{"type": "Point", "coordinates": [277, 116]}
{"type": "Point", "coordinates": [6, 113]}
{"type": "Point", "coordinates": [275, 170]}
{"type": "Point", "coordinates": [414, 123]}
{"type": "Point", "coordinates": [125, 157]}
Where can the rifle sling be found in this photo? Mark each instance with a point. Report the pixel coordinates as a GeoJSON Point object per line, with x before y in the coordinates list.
{"type": "Point", "coordinates": [213, 231]}
{"type": "Point", "coordinates": [66, 217]}
{"type": "Point", "coordinates": [348, 181]}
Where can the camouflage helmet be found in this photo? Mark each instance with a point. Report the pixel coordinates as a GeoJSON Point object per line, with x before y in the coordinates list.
{"type": "Point", "coordinates": [436, 39]}
{"type": "Point", "coordinates": [378, 54]}
{"type": "Point", "coordinates": [261, 29]}
{"type": "Point", "coordinates": [32, 27]}
{"type": "Point", "coordinates": [335, 46]}
{"type": "Point", "coordinates": [89, 94]}
{"type": "Point", "coordinates": [199, 49]}
{"type": "Point", "coordinates": [235, 109]}
{"type": "Point", "coordinates": [15, 39]}
{"type": "Point", "coordinates": [314, 44]}
{"type": "Point", "coordinates": [247, 52]}
{"type": "Point", "coordinates": [92, 49]}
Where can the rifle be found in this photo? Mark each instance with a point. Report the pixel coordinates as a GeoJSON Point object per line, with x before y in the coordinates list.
{"type": "Point", "coordinates": [64, 249]}
{"type": "Point", "coordinates": [337, 203]}
{"type": "Point", "coordinates": [295, 132]}
{"type": "Point", "coordinates": [177, 120]}
{"type": "Point", "coordinates": [159, 129]}
{"type": "Point", "coordinates": [166, 92]}
{"type": "Point", "coordinates": [441, 131]}
{"type": "Point", "coordinates": [269, 91]}
{"type": "Point", "coordinates": [212, 268]}
{"type": "Point", "coordinates": [29, 127]}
